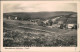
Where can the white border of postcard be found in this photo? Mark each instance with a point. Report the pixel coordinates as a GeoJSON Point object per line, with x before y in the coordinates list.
{"type": "Point", "coordinates": [41, 49]}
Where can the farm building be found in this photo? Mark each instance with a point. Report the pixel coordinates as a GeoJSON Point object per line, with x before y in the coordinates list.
{"type": "Point", "coordinates": [70, 26]}
{"type": "Point", "coordinates": [71, 23]}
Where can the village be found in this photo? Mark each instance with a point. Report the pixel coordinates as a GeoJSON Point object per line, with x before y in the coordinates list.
{"type": "Point", "coordinates": [61, 22]}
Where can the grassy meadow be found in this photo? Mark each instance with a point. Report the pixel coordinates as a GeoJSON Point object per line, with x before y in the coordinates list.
{"type": "Point", "coordinates": [18, 33]}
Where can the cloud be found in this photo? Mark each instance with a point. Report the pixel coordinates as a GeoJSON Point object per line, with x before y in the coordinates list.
{"type": "Point", "coordinates": [38, 6]}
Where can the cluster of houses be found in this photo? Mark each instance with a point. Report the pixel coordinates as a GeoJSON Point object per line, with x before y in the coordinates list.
{"type": "Point", "coordinates": [59, 22]}
{"type": "Point", "coordinates": [12, 17]}
{"type": "Point", "coordinates": [62, 22]}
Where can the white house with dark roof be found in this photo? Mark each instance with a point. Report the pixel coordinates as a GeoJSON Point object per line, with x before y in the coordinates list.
{"type": "Point", "coordinates": [71, 22]}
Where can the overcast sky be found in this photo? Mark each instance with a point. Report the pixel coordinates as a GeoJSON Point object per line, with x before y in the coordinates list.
{"type": "Point", "coordinates": [38, 6]}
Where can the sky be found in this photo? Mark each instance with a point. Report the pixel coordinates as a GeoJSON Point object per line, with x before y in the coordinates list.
{"type": "Point", "coordinates": [38, 6]}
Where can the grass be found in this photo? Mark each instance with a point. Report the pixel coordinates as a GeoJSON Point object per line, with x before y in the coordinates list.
{"type": "Point", "coordinates": [15, 36]}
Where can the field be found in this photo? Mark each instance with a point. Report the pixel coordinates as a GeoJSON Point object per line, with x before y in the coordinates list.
{"type": "Point", "coordinates": [21, 34]}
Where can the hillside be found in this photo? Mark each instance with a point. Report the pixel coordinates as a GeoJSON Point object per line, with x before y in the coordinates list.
{"type": "Point", "coordinates": [37, 15]}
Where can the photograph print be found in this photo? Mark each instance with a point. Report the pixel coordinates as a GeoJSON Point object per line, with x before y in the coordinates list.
{"type": "Point", "coordinates": [39, 24]}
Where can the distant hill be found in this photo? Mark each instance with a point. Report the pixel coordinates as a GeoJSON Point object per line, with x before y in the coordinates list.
{"type": "Point", "coordinates": [68, 19]}
{"type": "Point", "coordinates": [37, 15]}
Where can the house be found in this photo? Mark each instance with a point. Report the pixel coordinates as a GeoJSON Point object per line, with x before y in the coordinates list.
{"type": "Point", "coordinates": [9, 17]}
{"type": "Point", "coordinates": [46, 21]}
{"type": "Point", "coordinates": [54, 19]}
{"type": "Point", "coordinates": [60, 22]}
{"type": "Point", "coordinates": [70, 26]}
{"type": "Point", "coordinates": [15, 18]}
{"type": "Point", "coordinates": [34, 21]}
{"type": "Point", "coordinates": [71, 23]}
{"type": "Point", "coordinates": [12, 17]}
